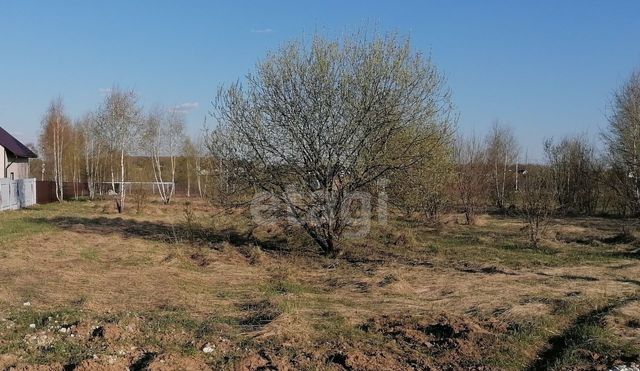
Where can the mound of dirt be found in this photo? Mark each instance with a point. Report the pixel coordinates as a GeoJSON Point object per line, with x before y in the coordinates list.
{"type": "Point", "coordinates": [278, 359]}
{"type": "Point", "coordinates": [441, 343]}
{"type": "Point", "coordinates": [354, 359]}
{"type": "Point", "coordinates": [334, 356]}
{"type": "Point", "coordinates": [175, 362]}
{"type": "Point", "coordinates": [200, 259]}
{"type": "Point", "coordinates": [257, 361]}
{"type": "Point", "coordinates": [8, 361]}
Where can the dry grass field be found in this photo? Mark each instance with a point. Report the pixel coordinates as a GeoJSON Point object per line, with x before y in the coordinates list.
{"type": "Point", "coordinates": [84, 288]}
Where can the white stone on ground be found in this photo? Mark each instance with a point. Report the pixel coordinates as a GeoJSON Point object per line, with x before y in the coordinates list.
{"type": "Point", "coordinates": [208, 348]}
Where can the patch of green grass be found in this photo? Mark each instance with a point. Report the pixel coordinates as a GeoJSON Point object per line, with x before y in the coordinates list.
{"type": "Point", "coordinates": [64, 350]}
{"type": "Point", "coordinates": [136, 260]}
{"type": "Point", "coordinates": [578, 341]}
{"type": "Point", "coordinates": [513, 348]}
{"type": "Point", "coordinates": [42, 344]}
{"type": "Point", "coordinates": [283, 286]}
{"type": "Point", "coordinates": [179, 331]}
{"type": "Point", "coordinates": [591, 338]}
{"type": "Point", "coordinates": [213, 325]}
{"type": "Point", "coordinates": [25, 317]}
{"type": "Point", "coordinates": [162, 322]}
{"type": "Point", "coordinates": [16, 224]}
{"type": "Point", "coordinates": [90, 254]}
{"type": "Point", "coordinates": [432, 248]}
{"type": "Point", "coordinates": [330, 326]}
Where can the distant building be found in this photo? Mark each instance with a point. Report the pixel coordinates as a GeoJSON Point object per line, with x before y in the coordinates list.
{"type": "Point", "coordinates": [14, 157]}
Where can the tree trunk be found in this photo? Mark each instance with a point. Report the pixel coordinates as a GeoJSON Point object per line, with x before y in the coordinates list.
{"type": "Point", "coordinates": [188, 180]}
{"type": "Point", "coordinates": [57, 159]}
{"type": "Point", "coordinates": [173, 178]}
{"type": "Point", "coordinates": [198, 178]}
{"type": "Point", "coordinates": [121, 194]}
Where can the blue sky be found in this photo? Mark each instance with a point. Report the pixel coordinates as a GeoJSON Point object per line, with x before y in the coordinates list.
{"type": "Point", "coordinates": [548, 68]}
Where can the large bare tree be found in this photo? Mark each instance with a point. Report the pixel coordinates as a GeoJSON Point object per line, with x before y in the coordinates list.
{"type": "Point", "coordinates": [470, 175]}
{"type": "Point", "coordinates": [322, 120]}
{"type": "Point", "coordinates": [536, 202]}
{"type": "Point", "coordinates": [576, 173]}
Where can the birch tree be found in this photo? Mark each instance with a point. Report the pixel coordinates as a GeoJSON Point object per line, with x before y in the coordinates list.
{"type": "Point", "coordinates": [174, 134]}
{"type": "Point", "coordinates": [93, 147]}
{"type": "Point", "coordinates": [163, 136]}
{"type": "Point", "coordinates": [502, 153]}
{"type": "Point", "coordinates": [73, 156]}
{"type": "Point", "coordinates": [190, 153]}
{"type": "Point", "coordinates": [119, 119]}
{"type": "Point", "coordinates": [200, 169]}
{"type": "Point", "coordinates": [193, 152]}
{"type": "Point", "coordinates": [55, 125]}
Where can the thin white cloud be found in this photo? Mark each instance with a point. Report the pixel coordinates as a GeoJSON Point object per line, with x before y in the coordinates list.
{"type": "Point", "coordinates": [186, 107]}
{"type": "Point", "coordinates": [263, 30]}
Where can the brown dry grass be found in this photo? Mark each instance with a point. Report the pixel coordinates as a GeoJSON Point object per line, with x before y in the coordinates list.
{"type": "Point", "coordinates": [465, 296]}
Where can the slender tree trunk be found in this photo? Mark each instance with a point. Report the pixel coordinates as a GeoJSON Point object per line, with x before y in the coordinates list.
{"type": "Point", "coordinates": [157, 174]}
{"type": "Point", "coordinates": [87, 164]}
{"type": "Point", "coordinates": [198, 177]}
{"type": "Point", "coordinates": [173, 178]}
{"type": "Point", "coordinates": [504, 181]}
{"type": "Point", "coordinates": [121, 194]}
{"type": "Point", "coordinates": [113, 178]}
{"type": "Point", "coordinates": [495, 180]}
{"type": "Point", "coordinates": [57, 159]}
{"type": "Point", "coordinates": [188, 180]}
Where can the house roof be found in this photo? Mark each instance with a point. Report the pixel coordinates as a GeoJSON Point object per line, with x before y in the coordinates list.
{"type": "Point", "coordinates": [14, 146]}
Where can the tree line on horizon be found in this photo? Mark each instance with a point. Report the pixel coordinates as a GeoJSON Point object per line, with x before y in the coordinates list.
{"type": "Point", "coordinates": [332, 117]}
{"type": "Point", "coordinates": [118, 144]}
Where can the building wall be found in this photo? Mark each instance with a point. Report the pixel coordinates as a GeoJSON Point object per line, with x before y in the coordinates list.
{"type": "Point", "coordinates": [18, 166]}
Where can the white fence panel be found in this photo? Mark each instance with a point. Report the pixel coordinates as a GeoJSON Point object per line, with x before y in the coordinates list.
{"type": "Point", "coordinates": [27, 192]}
{"type": "Point", "coordinates": [15, 194]}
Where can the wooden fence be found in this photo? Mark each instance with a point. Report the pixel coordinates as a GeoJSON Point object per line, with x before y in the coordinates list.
{"type": "Point", "coordinates": [46, 191]}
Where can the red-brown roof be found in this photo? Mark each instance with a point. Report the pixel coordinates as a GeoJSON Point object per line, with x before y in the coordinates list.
{"type": "Point", "coordinates": [14, 146]}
